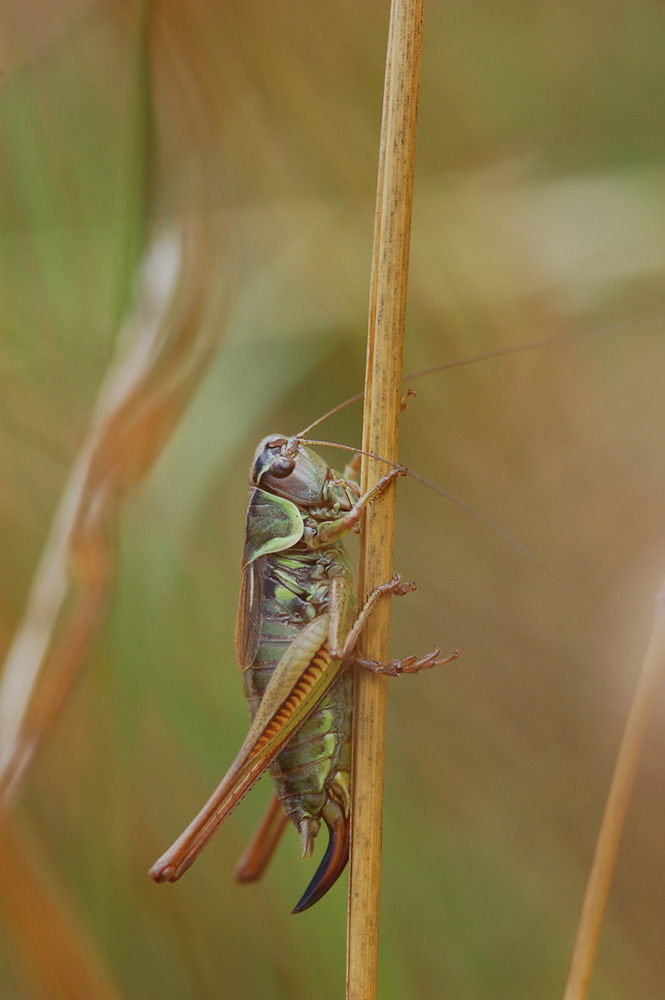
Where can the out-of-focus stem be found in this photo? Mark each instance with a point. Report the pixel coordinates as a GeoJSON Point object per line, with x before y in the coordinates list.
{"type": "Point", "coordinates": [609, 837]}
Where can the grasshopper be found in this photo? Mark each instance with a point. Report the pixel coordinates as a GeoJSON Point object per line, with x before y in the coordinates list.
{"type": "Point", "coordinates": [296, 637]}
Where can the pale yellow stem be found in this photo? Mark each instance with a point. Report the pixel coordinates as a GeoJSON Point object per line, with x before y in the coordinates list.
{"type": "Point", "coordinates": [380, 436]}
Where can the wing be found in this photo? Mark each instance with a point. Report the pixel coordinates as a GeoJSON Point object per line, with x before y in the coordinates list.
{"type": "Point", "coordinates": [303, 675]}
{"type": "Point", "coordinates": [272, 525]}
{"type": "Point", "coordinates": [248, 622]}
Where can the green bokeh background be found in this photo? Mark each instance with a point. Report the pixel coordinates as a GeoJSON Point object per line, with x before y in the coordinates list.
{"type": "Point", "coordinates": [539, 209]}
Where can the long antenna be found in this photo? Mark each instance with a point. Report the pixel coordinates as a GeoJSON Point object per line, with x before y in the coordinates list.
{"type": "Point", "coordinates": [356, 451]}
{"type": "Point", "coordinates": [509, 539]}
{"type": "Point", "coordinates": [528, 345]}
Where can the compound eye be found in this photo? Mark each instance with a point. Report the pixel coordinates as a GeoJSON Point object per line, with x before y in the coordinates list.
{"type": "Point", "coordinates": [282, 466]}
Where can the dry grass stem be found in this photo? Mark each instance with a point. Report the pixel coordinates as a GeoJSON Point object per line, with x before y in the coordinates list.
{"type": "Point", "coordinates": [609, 837]}
{"type": "Point", "coordinates": [380, 436]}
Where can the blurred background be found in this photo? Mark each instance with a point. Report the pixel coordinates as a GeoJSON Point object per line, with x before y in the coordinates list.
{"type": "Point", "coordinates": [187, 200]}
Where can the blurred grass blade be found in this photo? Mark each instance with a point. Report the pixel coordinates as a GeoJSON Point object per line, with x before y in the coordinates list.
{"type": "Point", "coordinates": [609, 837]}
{"type": "Point", "coordinates": [50, 946]}
{"type": "Point", "coordinates": [162, 354]}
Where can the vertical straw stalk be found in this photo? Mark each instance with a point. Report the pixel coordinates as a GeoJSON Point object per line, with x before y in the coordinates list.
{"type": "Point", "coordinates": [609, 837]}
{"type": "Point", "coordinates": [380, 436]}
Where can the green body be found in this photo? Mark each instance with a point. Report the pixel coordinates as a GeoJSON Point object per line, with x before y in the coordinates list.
{"type": "Point", "coordinates": [314, 767]}
{"type": "Point", "coordinates": [288, 569]}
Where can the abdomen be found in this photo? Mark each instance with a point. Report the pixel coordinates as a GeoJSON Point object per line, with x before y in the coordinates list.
{"type": "Point", "coordinates": [317, 759]}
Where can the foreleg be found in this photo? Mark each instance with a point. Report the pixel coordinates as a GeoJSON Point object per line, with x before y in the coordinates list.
{"type": "Point", "coordinates": [330, 531]}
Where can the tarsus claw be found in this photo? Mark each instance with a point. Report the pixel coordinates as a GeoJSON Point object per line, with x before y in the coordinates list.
{"type": "Point", "coordinates": [396, 587]}
{"type": "Point", "coordinates": [410, 665]}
